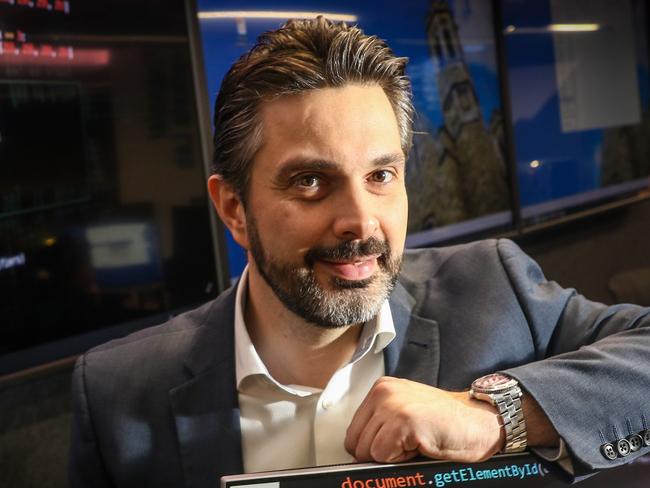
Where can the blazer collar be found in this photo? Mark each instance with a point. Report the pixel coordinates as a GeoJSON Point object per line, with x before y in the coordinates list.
{"type": "Point", "coordinates": [215, 339]}
{"type": "Point", "coordinates": [415, 352]}
{"type": "Point", "coordinates": [205, 408]}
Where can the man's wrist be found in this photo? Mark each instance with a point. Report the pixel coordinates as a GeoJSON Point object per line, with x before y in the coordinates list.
{"type": "Point", "coordinates": [505, 395]}
{"type": "Point", "coordinates": [541, 432]}
{"type": "Point", "coordinates": [485, 423]}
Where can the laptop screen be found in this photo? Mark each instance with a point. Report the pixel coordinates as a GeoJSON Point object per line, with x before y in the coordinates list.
{"type": "Point", "coordinates": [501, 471]}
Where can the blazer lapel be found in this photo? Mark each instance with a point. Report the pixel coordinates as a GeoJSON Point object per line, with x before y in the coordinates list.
{"type": "Point", "coordinates": [415, 352]}
{"type": "Point", "coordinates": [206, 410]}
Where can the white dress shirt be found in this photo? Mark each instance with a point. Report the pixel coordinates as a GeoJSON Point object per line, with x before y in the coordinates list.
{"type": "Point", "coordinates": [294, 426]}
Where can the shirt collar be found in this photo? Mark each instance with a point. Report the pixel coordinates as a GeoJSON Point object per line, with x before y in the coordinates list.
{"type": "Point", "coordinates": [376, 335]}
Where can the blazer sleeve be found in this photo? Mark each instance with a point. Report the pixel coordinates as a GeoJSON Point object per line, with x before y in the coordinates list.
{"type": "Point", "coordinates": [592, 371]}
{"type": "Point", "coordinates": [86, 468]}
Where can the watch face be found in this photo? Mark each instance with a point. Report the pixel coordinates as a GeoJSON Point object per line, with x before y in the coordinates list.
{"type": "Point", "coordinates": [494, 382]}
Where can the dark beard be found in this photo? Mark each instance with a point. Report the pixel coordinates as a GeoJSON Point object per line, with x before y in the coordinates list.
{"type": "Point", "coordinates": [349, 301]}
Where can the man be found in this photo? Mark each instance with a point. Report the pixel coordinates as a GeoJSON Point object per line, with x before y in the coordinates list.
{"type": "Point", "coordinates": [324, 352]}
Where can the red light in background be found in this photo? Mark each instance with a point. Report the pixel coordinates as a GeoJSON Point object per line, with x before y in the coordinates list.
{"type": "Point", "coordinates": [9, 47]}
{"type": "Point", "coordinates": [62, 6]}
{"type": "Point", "coordinates": [28, 49]}
{"type": "Point", "coordinates": [65, 56]}
{"type": "Point", "coordinates": [47, 50]}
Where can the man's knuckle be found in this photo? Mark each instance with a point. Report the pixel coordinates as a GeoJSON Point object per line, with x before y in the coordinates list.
{"type": "Point", "coordinates": [413, 439]}
{"type": "Point", "coordinates": [380, 383]}
{"type": "Point", "coordinates": [377, 453]}
{"type": "Point", "coordinates": [383, 386]}
{"type": "Point", "coordinates": [403, 416]}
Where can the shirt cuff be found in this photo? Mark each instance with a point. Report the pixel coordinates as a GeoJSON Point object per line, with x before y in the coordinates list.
{"type": "Point", "coordinates": [559, 455]}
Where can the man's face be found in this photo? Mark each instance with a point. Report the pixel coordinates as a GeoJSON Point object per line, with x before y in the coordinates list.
{"type": "Point", "coordinates": [327, 208]}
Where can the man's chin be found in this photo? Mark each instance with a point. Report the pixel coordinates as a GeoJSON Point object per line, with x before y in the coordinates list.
{"type": "Point", "coordinates": [337, 302]}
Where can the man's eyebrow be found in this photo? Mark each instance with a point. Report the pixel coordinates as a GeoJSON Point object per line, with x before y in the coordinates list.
{"type": "Point", "coordinates": [300, 164]}
{"type": "Point", "coordinates": [389, 159]}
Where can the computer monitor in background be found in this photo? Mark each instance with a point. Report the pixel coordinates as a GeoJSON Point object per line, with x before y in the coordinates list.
{"type": "Point", "coordinates": [578, 74]}
{"type": "Point", "coordinates": [104, 220]}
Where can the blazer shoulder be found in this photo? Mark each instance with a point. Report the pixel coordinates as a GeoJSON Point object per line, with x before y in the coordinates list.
{"type": "Point", "coordinates": [421, 265]}
{"type": "Point", "coordinates": [182, 323]}
{"type": "Point", "coordinates": [162, 349]}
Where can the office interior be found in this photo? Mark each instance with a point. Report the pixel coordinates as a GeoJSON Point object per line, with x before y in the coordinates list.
{"type": "Point", "coordinates": [533, 124]}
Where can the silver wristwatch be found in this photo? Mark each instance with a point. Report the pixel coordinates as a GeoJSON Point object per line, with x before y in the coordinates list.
{"type": "Point", "coordinates": [504, 393]}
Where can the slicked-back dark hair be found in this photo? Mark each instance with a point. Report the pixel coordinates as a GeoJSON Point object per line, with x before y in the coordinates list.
{"type": "Point", "coordinates": [302, 55]}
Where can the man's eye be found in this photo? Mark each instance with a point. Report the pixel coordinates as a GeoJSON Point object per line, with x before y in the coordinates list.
{"type": "Point", "coordinates": [382, 176]}
{"type": "Point", "coordinates": [308, 181]}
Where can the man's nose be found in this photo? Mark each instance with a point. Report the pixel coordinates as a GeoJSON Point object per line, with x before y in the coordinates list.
{"type": "Point", "coordinates": [357, 216]}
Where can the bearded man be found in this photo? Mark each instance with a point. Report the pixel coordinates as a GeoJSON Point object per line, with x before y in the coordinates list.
{"type": "Point", "coordinates": [336, 345]}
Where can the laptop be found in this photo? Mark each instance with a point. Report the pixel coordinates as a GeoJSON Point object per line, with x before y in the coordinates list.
{"type": "Point", "coordinates": [513, 470]}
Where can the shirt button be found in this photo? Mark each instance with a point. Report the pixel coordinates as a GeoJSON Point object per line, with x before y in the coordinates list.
{"type": "Point", "coordinates": [327, 404]}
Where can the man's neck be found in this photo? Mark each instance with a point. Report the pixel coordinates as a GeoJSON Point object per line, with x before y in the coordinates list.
{"type": "Point", "coordinates": [293, 350]}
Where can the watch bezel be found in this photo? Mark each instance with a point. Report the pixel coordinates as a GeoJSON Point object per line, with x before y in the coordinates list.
{"type": "Point", "coordinates": [478, 384]}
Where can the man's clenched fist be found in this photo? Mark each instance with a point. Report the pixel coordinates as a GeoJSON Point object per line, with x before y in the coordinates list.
{"type": "Point", "coordinates": [400, 419]}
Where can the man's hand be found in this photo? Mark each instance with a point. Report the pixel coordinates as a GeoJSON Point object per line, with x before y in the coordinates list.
{"type": "Point", "coordinates": [400, 419]}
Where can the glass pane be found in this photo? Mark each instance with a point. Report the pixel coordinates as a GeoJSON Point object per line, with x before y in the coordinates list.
{"type": "Point", "coordinates": [578, 75]}
{"type": "Point", "coordinates": [103, 215]}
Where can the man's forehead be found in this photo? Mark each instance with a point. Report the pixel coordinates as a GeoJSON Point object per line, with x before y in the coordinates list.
{"type": "Point", "coordinates": [327, 123]}
{"type": "Point", "coordinates": [322, 103]}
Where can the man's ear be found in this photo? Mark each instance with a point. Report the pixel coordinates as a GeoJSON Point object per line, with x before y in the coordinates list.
{"type": "Point", "coordinates": [230, 208]}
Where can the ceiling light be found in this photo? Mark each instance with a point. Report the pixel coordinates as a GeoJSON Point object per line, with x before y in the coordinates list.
{"type": "Point", "coordinates": [263, 14]}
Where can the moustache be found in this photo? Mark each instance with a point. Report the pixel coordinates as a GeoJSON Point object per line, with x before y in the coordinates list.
{"type": "Point", "coordinates": [349, 250]}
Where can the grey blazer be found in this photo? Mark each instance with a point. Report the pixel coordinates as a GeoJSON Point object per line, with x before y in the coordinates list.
{"type": "Point", "coordinates": [159, 407]}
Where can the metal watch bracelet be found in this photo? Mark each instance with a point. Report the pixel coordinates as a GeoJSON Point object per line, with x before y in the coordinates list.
{"type": "Point", "coordinates": [510, 409]}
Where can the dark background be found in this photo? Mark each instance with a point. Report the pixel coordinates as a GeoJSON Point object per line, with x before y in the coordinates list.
{"type": "Point", "coordinates": [605, 256]}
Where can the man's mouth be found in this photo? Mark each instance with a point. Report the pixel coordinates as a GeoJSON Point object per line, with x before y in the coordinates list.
{"type": "Point", "coordinates": [357, 269]}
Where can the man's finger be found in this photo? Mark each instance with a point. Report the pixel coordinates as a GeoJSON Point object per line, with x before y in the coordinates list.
{"type": "Point", "coordinates": [358, 423]}
{"type": "Point", "coordinates": [388, 445]}
{"type": "Point", "coordinates": [361, 450]}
